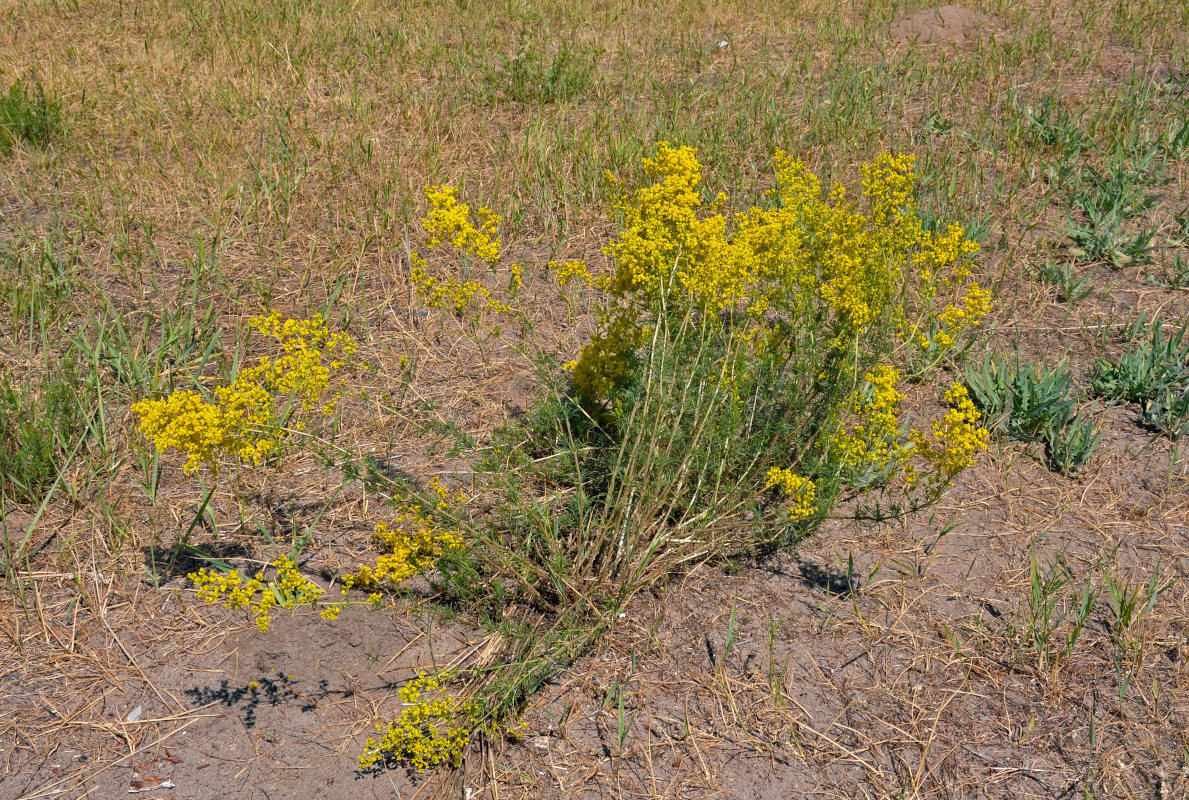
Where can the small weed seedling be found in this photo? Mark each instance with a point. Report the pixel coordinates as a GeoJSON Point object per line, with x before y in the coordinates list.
{"type": "Point", "coordinates": [1181, 231]}
{"type": "Point", "coordinates": [1103, 239]}
{"type": "Point", "coordinates": [1070, 446]}
{"type": "Point", "coordinates": [1168, 412]}
{"type": "Point", "coordinates": [1175, 141]}
{"type": "Point", "coordinates": [1048, 607]}
{"type": "Point", "coordinates": [1173, 276]}
{"type": "Point", "coordinates": [1131, 604]}
{"type": "Point", "coordinates": [1070, 286]}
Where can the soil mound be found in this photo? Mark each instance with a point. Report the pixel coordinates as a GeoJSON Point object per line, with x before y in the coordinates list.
{"type": "Point", "coordinates": [948, 23]}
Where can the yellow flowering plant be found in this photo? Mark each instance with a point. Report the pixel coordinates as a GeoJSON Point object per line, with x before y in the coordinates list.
{"type": "Point", "coordinates": [746, 375]}
{"type": "Point", "coordinates": [412, 543]}
{"type": "Point", "coordinates": [260, 595]}
{"type": "Point", "coordinates": [433, 728]}
{"type": "Point", "coordinates": [247, 419]}
{"type": "Point", "coordinates": [472, 237]}
{"type": "Point", "coordinates": [801, 319]}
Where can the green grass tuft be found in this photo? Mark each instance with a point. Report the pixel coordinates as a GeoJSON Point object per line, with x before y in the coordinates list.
{"type": "Point", "coordinates": [28, 115]}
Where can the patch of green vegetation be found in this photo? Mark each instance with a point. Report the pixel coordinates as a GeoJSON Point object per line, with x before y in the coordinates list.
{"type": "Point", "coordinates": [1070, 286]}
{"type": "Point", "coordinates": [1104, 240]}
{"type": "Point", "coordinates": [36, 281]}
{"type": "Point", "coordinates": [1070, 445]}
{"type": "Point", "coordinates": [40, 424]}
{"type": "Point", "coordinates": [1145, 369]}
{"type": "Point", "coordinates": [1131, 603]}
{"type": "Point", "coordinates": [1035, 403]}
{"type": "Point", "coordinates": [1181, 226]}
{"type": "Point", "coordinates": [28, 115]}
{"type": "Point", "coordinates": [1174, 275]}
{"type": "Point", "coordinates": [1122, 190]}
{"type": "Point", "coordinates": [1051, 601]}
{"type": "Point", "coordinates": [1109, 199]}
{"type": "Point", "coordinates": [1153, 373]}
{"type": "Point", "coordinates": [1052, 126]}
{"type": "Point", "coordinates": [533, 76]}
{"type": "Point", "coordinates": [1175, 141]}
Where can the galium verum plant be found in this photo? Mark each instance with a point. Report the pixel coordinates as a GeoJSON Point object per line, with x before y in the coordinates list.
{"type": "Point", "coordinates": [745, 377]}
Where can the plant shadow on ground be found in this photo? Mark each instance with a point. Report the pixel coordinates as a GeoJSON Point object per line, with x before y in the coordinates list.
{"type": "Point", "coordinates": [831, 581]}
{"type": "Point", "coordinates": [272, 690]}
{"type": "Point", "coordinates": [168, 563]}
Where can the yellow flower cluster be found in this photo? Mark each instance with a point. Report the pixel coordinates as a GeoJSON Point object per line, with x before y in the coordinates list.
{"type": "Point", "coordinates": [877, 446]}
{"type": "Point", "coordinates": [872, 444]}
{"type": "Point", "coordinates": [476, 236]}
{"type": "Point", "coordinates": [242, 422]}
{"type": "Point", "coordinates": [663, 241]}
{"type": "Point", "coordinates": [802, 490]}
{"type": "Point", "coordinates": [309, 353]}
{"type": "Point", "coordinates": [567, 272]}
{"type": "Point", "coordinates": [450, 292]}
{"type": "Point", "coordinates": [414, 543]}
{"type": "Point", "coordinates": [450, 221]}
{"type": "Point", "coordinates": [845, 264]}
{"type": "Point", "coordinates": [956, 319]}
{"type": "Point", "coordinates": [956, 439]}
{"type": "Point", "coordinates": [433, 728]}
{"type": "Point", "coordinates": [605, 363]}
{"type": "Point", "coordinates": [236, 424]}
{"type": "Point", "coordinates": [287, 590]}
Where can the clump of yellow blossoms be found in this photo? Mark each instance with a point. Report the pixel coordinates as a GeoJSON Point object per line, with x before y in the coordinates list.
{"type": "Point", "coordinates": [877, 446]}
{"type": "Point", "coordinates": [259, 595]}
{"type": "Point", "coordinates": [414, 542]}
{"type": "Point", "coordinates": [871, 446]}
{"type": "Point", "coordinates": [802, 491]}
{"type": "Point", "coordinates": [854, 267]}
{"type": "Point", "coordinates": [309, 354]}
{"type": "Point", "coordinates": [474, 237]}
{"type": "Point", "coordinates": [815, 283]}
{"type": "Point", "coordinates": [956, 439]}
{"type": "Point", "coordinates": [247, 419]}
{"type": "Point", "coordinates": [434, 728]}
{"type": "Point", "coordinates": [451, 221]}
{"type": "Point", "coordinates": [236, 424]}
